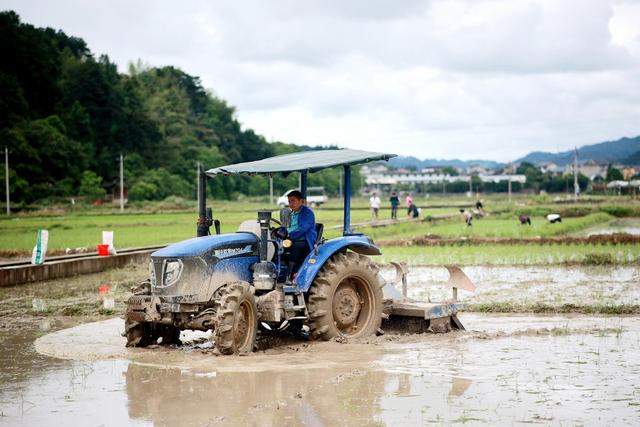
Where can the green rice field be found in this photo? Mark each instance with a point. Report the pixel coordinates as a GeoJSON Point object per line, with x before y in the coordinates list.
{"type": "Point", "coordinates": [440, 218]}
{"type": "Point", "coordinates": [517, 254]}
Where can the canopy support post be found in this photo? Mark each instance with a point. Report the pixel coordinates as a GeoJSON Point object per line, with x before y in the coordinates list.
{"type": "Point", "coordinates": [346, 228]}
{"type": "Point", "coordinates": [203, 222]}
{"type": "Point", "coordinates": [303, 184]}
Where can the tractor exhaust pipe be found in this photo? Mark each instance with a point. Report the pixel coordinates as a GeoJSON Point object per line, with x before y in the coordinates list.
{"type": "Point", "coordinates": [205, 214]}
{"type": "Point", "coordinates": [264, 218]}
{"type": "Point", "coordinates": [203, 221]}
{"type": "Point", "coordinates": [264, 274]}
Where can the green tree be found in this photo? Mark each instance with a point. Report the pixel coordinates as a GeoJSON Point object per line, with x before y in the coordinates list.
{"type": "Point", "coordinates": [64, 111]}
{"type": "Point", "coordinates": [91, 186]}
{"type": "Point", "coordinates": [449, 170]}
{"type": "Point", "coordinates": [533, 174]}
{"type": "Point", "coordinates": [143, 190]}
{"type": "Point", "coordinates": [613, 174]}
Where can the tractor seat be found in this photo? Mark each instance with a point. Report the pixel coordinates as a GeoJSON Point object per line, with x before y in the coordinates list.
{"type": "Point", "coordinates": [252, 226]}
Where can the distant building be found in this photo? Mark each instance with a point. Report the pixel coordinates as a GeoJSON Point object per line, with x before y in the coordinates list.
{"type": "Point", "coordinates": [373, 169]}
{"type": "Point", "coordinates": [551, 168]}
{"type": "Point", "coordinates": [478, 170]}
{"type": "Point", "coordinates": [499, 178]}
{"type": "Point", "coordinates": [392, 179]}
{"type": "Point", "coordinates": [590, 169]}
{"type": "Point", "coordinates": [629, 173]}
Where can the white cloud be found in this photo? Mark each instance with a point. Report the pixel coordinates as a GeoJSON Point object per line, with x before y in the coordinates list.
{"type": "Point", "coordinates": [467, 79]}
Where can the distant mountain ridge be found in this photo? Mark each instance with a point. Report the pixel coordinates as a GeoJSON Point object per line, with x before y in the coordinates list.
{"type": "Point", "coordinates": [620, 150]}
{"type": "Point", "coordinates": [624, 150]}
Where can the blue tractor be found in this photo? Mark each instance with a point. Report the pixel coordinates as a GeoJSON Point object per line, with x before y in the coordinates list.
{"type": "Point", "coordinates": [235, 283]}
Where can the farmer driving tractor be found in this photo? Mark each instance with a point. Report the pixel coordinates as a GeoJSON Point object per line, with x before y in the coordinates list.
{"type": "Point", "coordinates": [301, 231]}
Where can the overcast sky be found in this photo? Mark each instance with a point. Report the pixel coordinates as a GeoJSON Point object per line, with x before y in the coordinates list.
{"type": "Point", "coordinates": [433, 79]}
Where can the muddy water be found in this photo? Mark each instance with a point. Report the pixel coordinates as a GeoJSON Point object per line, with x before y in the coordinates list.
{"type": "Point", "coordinates": [551, 370]}
{"type": "Point", "coordinates": [620, 225]}
{"type": "Point", "coordinates": [505, 369]}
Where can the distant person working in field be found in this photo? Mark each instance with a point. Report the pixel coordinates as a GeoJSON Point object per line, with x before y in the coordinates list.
{"type": "Point", "coordinates": [301, 231]}
{"type": "Point", "coordinates": [553, 218]}
{"type": "Point", "coordinates": [467, 216]}
{"type": "Point", "coordinates": [524, 219]}
{"type": "Point", "coordinates": [408, 200]}
{"type": "Point", "coordinates": [413, 211]}
{"type": "Point", "coordinates": [374, 204]}
{"type": "Point", "coordinates": [395, 202]}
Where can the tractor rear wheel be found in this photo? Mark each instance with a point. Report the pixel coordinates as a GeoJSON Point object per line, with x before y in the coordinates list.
{"type": "Point", "coordinates": [236, 322]}
{"type": "Point", "coordinates": [345, 299]}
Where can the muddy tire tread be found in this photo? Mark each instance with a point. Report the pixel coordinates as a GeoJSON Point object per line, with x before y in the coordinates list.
{"type": "Point", "coordinates": [339, 266]}
{"type": "Point", "coordinates": [229, 299]}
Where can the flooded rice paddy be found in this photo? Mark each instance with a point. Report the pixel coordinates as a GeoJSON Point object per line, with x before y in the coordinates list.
{"type": "Point", "coordinates": [619, 225]}
{"type": "Point", "coordinates": [531, 285]}
{"type": "Point", "coordinates": [504, 370]}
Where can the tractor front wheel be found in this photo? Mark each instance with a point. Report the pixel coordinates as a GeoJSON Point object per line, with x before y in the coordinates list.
{"type": "Point", "coordinates": [139, 334]}
{"type": "Point", "coordinates": [236, 322]}
{"type": "Point", "coordinates": [345, 299]}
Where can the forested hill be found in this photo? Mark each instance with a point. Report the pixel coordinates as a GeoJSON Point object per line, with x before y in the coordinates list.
{"type": "Point", "coordinates": [66, 116]}
{"type": "Point", "coordinates": [620, 150]}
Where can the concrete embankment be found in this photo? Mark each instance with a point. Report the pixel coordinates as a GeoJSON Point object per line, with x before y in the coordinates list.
{"type": "Point", "coordinates": [67, 266]}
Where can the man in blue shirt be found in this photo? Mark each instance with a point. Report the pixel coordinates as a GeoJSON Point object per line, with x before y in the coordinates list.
{"type": "Point", "coordinates": [302, 230]}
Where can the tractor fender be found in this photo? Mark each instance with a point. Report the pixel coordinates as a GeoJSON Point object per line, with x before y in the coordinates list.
{"type": "Point", "coordinates": [314, 262]}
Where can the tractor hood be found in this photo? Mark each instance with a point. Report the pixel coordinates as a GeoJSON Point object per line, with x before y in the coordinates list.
{"type": "Point", "coordinates": [220, 246]}
{"type": "Point", "coordinates": [191, 270]}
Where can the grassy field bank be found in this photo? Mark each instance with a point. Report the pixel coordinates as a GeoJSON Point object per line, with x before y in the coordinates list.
{"type": "Point", "coordinates": [513, 254]}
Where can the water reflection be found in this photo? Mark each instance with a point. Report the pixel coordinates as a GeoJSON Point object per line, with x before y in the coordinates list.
{"type": "Point", "coordinates": [572, 379]}
{"type": "Point", "coordinates": [299, 396]}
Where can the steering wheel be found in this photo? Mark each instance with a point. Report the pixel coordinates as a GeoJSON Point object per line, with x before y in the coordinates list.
{"type": "Point", "coordinates": [275, 220]}
{"type": "Point", "coordinates": [279, 233]}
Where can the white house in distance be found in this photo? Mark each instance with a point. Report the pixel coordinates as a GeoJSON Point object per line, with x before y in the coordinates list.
{"type": "Point", "coordinates": [387, 179]}
{"type": "Point", "coordinates": [550, 167]}
{"type": "Point", "coordinates": [590, 169]}
{"type": "Point", "coordinates": [498, 178]}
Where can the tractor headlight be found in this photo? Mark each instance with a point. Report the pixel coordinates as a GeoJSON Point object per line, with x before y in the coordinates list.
{"type": "Point", "coordinates": [152, 274]}
{"type": "Point", "coordinates": [171, 273]}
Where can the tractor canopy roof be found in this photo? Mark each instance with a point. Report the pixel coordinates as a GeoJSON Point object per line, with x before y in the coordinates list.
{"type": "Point", "coordinates": [304, 161]}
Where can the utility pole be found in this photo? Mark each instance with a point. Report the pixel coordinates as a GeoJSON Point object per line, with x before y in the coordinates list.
{"type": "Point", "coordinates": [6, 177]}
{"type": "Point", "coordinates": [509, 180]}
{"type": "Point", "coordinates": [121, 183]}
{"type": "Point", "coordinates": [576, 189]}
{"type": "Point", "coordinates": [340, 178]}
